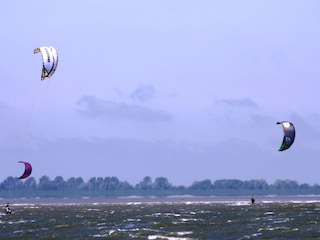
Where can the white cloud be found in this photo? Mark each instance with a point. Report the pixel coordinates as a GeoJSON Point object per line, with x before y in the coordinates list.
{"type": "Point", "coordinates": [93, 107]}
{"type": "Point", "coordinates": [143, 93]}
{"type": "Point", "coordinates": [243, 102]}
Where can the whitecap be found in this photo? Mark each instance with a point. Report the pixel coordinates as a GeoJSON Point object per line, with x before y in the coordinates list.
{"type": "Point", "coordinates": [153, 237]}
{"type": "Point", "coordinates": [269, 213]}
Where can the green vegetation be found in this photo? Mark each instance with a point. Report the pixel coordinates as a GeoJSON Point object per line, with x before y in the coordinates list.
{"type": "Point", "coordinates": [113, 187]}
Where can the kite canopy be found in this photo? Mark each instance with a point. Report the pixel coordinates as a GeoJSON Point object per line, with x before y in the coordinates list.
{"type": "Point", "coordinates": [49, 61]}
{"type": "Point", "coordinates": [27, 171]}
{"type": "Point", "coordinates": [289, 135]}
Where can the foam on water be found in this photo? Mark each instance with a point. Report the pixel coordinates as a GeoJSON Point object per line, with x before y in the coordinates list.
{"type": "Point", "coordinates": [187, 199]}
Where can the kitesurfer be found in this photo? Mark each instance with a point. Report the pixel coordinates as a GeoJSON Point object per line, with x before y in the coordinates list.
{"type": "Point", "coordinates": [8, 208]}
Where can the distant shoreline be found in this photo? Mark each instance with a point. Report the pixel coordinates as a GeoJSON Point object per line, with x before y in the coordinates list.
{"type": "Point", "coordinates": [168, 199]}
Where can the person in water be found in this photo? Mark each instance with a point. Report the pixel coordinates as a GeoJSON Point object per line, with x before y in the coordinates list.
{"type": "Point", "coordinates": [8, 208]}
{"type": "Point", "coordinates": [253, 200]}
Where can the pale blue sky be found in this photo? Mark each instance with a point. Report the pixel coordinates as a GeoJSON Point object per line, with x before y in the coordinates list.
{"type": "Point", "coordinates": [188, 90]}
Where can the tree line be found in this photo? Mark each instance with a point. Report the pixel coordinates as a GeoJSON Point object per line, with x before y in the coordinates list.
{"type": "Point", "coordinates": [147, 184]}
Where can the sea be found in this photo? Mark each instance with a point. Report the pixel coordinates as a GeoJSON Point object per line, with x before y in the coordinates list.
{"type": "Point", "coordinates": [170, 218]}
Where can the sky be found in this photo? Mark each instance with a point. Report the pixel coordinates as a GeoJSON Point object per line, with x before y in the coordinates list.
{"type": "Point", "coordinates": [187, 90]}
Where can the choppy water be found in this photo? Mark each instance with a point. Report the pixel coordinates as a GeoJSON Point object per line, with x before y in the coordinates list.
{"type": "Point", "coordinates": [170, 218]}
